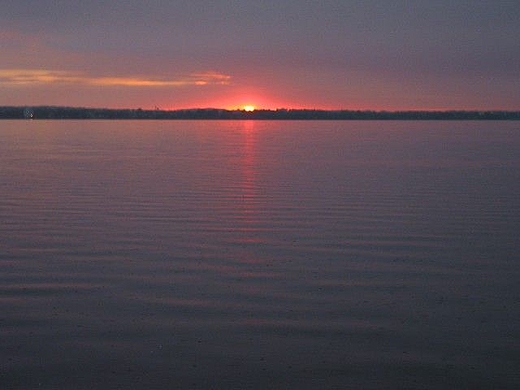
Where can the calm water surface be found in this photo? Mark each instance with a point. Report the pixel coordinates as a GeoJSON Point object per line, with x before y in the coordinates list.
{"type": "Point", "coordinates": [259, 255]}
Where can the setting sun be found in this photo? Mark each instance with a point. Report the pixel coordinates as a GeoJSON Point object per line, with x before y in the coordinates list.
{"type": "Point", "coordinates": [249, 108]}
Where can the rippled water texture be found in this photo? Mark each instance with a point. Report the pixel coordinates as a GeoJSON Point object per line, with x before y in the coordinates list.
{"type": "Point", "coordinates": [262, 255]}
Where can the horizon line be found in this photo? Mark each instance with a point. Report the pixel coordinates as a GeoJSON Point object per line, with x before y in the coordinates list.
{"type": "Point", "coordinates": [367, 110]}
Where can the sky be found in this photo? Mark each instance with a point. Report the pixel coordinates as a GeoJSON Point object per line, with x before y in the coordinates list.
{"type": "Point", "coordinates": [328, 54]}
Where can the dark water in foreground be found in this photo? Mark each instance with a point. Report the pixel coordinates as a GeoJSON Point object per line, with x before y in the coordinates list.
{"type": "Point", "coordinates": [264, 255]}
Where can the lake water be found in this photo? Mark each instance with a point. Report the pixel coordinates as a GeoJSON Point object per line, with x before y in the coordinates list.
{"type": "Point", "coordinates": [259, 255]}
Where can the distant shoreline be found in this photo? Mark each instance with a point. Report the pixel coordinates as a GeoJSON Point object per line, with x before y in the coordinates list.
{"type": "Point", "coordinates": [54, 112]}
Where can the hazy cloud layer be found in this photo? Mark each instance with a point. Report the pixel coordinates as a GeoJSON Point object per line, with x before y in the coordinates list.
{"type": "Point", "coordinates": [40, 76]}
{"type": "Point", "coordinates": [305, 53]}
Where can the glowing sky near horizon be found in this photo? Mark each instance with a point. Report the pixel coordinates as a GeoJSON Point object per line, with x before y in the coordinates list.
{"type": "Point", "coordinates": [331, 54]}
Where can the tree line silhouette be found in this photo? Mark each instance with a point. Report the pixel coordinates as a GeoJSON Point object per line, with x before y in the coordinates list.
{"type": "Point", "coordinates": [53, 112]}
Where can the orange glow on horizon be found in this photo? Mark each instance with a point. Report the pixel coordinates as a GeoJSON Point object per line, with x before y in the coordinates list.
{"type": "Point", "coordinates": [246, 99]}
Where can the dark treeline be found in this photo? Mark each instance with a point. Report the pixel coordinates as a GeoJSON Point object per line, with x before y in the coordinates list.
{"type": "Point", "coordinates": [48, 112]}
